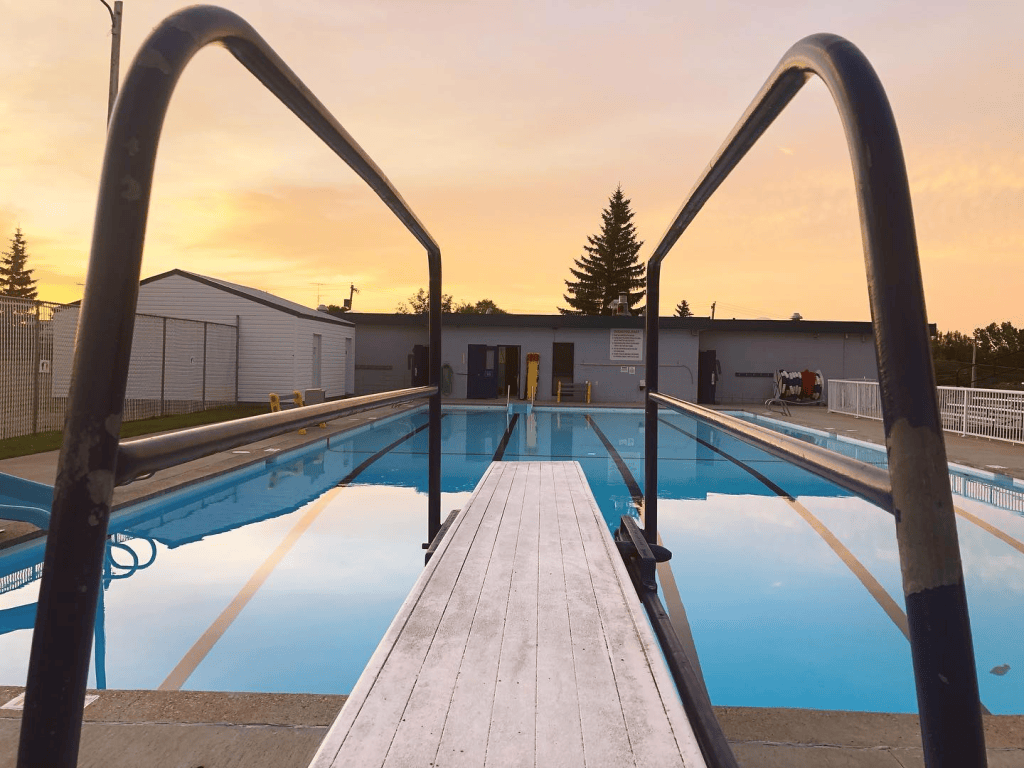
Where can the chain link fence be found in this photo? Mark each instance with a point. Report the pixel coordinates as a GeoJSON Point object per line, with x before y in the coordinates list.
{"type": "Point", "coordinates": [177, 366]}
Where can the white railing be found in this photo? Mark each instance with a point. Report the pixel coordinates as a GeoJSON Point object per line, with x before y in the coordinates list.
{"type": "Point", "coordinates": [997, 414]}
{"type": "Point", "coordinates": [856, 398]}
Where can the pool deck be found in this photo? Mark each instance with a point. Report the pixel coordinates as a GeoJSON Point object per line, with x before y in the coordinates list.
{"type": "Point", "coordinates": [127, 729]}
{"type": "Point", "coordinates": [130, 728]}
{"type": "Point", "coordinates": [995, 456]}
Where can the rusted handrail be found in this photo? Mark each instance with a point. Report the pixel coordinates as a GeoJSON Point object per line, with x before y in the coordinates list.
{"type": "Point", "coordinates": [940, 632]}
{"type": "Point", "coordinates": [59, 662]}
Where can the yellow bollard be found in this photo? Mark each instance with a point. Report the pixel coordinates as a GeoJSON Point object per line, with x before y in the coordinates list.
{"type": "Point", "coordinates": [297, 398]}
{"type": "Point", "coordinates": [559, 399]}
{"type": "Point", "coordinates": [588, 392]}
{"type": "Point", "coordinates": [275, 402]}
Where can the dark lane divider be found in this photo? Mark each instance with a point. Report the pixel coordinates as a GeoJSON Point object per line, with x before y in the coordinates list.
{"type": "Point", "coordinates": [347, 479]}
{"type": "Point", "coordinates": [505, 438]}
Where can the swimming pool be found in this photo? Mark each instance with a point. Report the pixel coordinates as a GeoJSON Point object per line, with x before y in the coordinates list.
{"type": "Point", "coordinates": [268, 579]}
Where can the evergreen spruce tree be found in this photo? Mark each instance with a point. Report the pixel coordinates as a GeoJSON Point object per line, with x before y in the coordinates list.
{"type": "Point", "coordinates": [15, 280]}
{"type": "Point", "coordinates": [610, 265]}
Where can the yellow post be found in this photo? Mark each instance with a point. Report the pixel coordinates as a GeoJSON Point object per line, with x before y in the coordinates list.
{"type": "Point", "coordinates": [297, 398]}
{"type": "Point", "coordinates": [275, 402]}
{"type": "Point", "coordinates": [532, 374]}
{"type": "Point", "coordinates": [588, 393]}
{"type": "Point", "coordinates": [559, 399]}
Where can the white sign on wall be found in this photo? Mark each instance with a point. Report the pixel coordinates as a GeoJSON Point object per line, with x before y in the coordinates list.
{"type": "Point", "coordinates": [626, 344]}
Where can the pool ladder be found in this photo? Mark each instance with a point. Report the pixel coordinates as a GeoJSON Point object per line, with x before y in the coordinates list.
{"type": "Point", "coordinates": [92, 461]}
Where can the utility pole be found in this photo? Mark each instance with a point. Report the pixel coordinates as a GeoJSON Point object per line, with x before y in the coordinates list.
{"type": "Point", "coordinates": [115, 52]}
{"type": "Point", "coordinates": [713, 309]}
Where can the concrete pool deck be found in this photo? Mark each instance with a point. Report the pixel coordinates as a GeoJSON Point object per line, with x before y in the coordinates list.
{"type": "Point", "coordinates": [981, 453]}
{"type": "Point", "coordinates": [130, 728]}
{"type": "Point", "coordinates": [126, 729]}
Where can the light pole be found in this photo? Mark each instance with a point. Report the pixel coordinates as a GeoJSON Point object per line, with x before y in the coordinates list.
{"type": "Point", "coordinates": [115, 51]}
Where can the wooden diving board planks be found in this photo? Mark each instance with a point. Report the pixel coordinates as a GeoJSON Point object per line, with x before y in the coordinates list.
{"type": "Point", "coordinates": [521, 644]}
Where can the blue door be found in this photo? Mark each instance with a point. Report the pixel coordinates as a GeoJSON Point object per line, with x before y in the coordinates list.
{"type": "Point", "coordinates": [482, 372]}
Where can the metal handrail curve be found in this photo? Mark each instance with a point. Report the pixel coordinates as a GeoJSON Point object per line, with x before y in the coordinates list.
{"type": "Point", "coordinates": [76, 545]}
{"type": "Point", "coordinates": [933, 584]}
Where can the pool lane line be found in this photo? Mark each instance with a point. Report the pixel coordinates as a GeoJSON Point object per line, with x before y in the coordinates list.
{"type": "Point", "coordinates": [504, 438]}
{"type": "Point", "coordinates": [347, 479]}
{"type": "Point", "coordinates": [877, 591]}
{"type": "Point", "coordinates": [673, 600]}
{"type": "Point", "coordinates": [627, 476]}
{"type": "Point", "coordinates": [986, 526]}
{"type": "Point", "coordinates": [874, 588]}
{"type": "Point", "coordinates": [195, 655]}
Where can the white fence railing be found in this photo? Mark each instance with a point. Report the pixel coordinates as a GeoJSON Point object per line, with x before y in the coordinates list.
{"type": "Point", "coordinates": [997, 414]}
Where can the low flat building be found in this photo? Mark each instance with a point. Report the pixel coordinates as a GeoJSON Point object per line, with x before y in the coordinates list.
{"type": "Point", "coordinates": [701, 360]}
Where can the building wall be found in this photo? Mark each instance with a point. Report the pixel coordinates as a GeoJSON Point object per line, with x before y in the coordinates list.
{"type": "Point", "coordinates": [275, 349]}
{"type": "Point", "coordinates": [384, 352]}
{"type": "Point", "coordinates": [612, 381]}
{"type": "Point", "coordinates": [837, 356]}
{"type": "Point", "coordinates": [382, 358]}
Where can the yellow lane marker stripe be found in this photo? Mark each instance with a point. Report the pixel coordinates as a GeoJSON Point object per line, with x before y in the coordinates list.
{"type": "Point", "coordinates": [204, 644]}
{"type": "Point", "coordinates": [890, 606]}
{"type": "Point", "coordinates": [1001, 535]}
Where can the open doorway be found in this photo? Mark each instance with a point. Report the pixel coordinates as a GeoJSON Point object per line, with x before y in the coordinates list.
{"type": "Point", "coordinates": [508, 371]}
{"type": "Point", "coordinates": [709, 371]}
{"type": "Point", "coordinates": [562, 364]}
{"type": "Point", "coordinates": [419, 364]}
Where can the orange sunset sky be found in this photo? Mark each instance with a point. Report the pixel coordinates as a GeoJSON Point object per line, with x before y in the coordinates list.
{"type": "Point", "coordinates": [507, 125]}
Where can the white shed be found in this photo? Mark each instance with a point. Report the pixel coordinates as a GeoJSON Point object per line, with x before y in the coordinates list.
{"type": "Point", "coordinates": [282, 346]}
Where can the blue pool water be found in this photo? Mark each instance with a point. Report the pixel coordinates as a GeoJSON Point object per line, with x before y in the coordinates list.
{"type": "Point", "coordinates": [777, 618]}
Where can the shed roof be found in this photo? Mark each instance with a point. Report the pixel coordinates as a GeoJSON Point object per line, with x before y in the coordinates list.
{"type": "Point", "coordinates": [252, 294]}
{"type": "Point", "coordinates": [456, 320]}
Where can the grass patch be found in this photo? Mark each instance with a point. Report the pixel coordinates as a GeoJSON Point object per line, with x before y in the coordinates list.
{"type": "Point", "coordinates": [50, 441]}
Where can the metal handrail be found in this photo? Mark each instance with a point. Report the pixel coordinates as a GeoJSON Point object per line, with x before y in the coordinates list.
{"type": "Point", "coordinates": [933, 584]}
{"type": "Point", "coordinates": [76, 545]}
{"type": "Point", "coordinates": [140, 458]}
{"type": "Point", "coordinates": [865, 480]}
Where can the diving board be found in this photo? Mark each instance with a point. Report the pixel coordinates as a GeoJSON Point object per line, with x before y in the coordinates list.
{"type": "Point", "coordinates": [522, 644]}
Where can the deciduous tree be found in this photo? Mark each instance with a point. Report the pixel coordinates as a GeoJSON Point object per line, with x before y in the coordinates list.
{"type": "Point", "coordinates": [419, 303]}
{"type": "Point", "coordinates": [482, 307]}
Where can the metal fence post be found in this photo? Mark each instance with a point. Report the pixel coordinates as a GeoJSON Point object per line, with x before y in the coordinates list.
{"type": "Point", "coordinates": [967, 405]}
{"type": "Point", "coordinates": [238, 328]}
{"type": "Point", "coordinates": [163, 366]}
{"type": "Point", "coordinates": [35, 375]}
{"type": "Point", "coordinates": [205, 328]}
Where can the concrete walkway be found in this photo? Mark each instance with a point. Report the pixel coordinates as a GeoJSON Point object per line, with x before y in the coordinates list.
{"type": "Point", "coordinates": [977, 452]}
{"type": "Point", "coordinates": [127, 729]}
